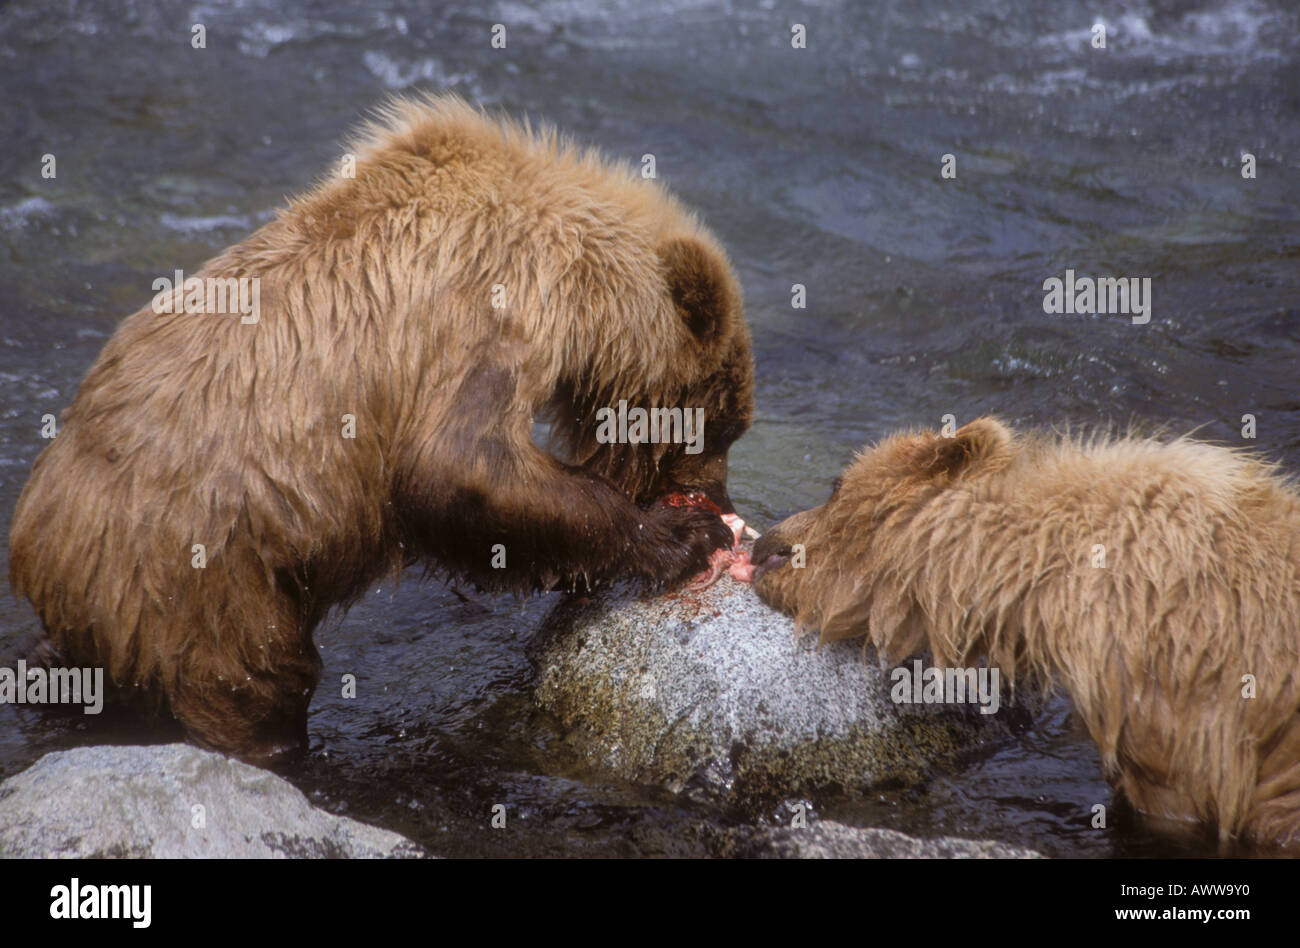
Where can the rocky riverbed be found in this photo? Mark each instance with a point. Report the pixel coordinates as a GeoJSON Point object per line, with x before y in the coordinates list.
{"type": "Point", "coordinates": [706, 695]}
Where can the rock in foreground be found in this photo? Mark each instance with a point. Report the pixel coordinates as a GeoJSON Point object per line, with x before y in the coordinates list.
{"type": "Point", "coordinates": [710, 693]}
{"type": "Point", "coordinates": [140, 802]}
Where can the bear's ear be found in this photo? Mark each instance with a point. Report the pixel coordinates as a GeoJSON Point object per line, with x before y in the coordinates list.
{"type": "Point", "coordinates": [973, 444]}
{"type": "Point", "coordinates": [701, 287]}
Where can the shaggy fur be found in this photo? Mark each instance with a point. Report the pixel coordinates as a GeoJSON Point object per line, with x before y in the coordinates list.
{"type": "Point", "coordinates": [982, 545]}
{"type": "Point", "coordinates": [376, 301]}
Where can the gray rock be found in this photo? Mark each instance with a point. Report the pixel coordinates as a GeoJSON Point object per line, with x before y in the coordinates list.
{"type": "Point", "coordinates": [139, 802]}
{"type": "Point", "coordinates": [710, 693]}
{"type": "Point", "coordinates": [829, 840]}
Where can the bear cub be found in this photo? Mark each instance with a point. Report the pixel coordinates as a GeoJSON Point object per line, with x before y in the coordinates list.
{"type": "Point", "coordinates": [1159, 583]}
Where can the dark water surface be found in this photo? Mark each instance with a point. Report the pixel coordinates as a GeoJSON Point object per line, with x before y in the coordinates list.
{"type": "Point", "coordinates": [817, 166]}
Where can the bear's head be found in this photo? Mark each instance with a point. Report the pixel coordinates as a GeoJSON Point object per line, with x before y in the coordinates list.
{"type": "Point", "coordinates": [694, 392]}
{"type": "Point", "coordinates": [824, 566]}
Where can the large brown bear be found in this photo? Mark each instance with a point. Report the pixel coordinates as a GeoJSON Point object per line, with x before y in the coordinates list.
{"type": "Point", "coordinates": [1149, 578]}
{"type": "Point", "coordinates": [414, 320]}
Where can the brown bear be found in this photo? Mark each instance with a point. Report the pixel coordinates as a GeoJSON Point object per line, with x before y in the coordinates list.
{"type": "Point", "coordinates": [222, 480]}
{"type": "Point", "coordinates": [1159, 582]}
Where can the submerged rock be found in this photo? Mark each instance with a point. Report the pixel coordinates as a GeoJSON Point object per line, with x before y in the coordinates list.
{"type": "Point", "coordinates": [830, 840]}
{"type": "Point", "coordinates": [710, 693]}
{"type": "Point", "coordinates": [140, 802]}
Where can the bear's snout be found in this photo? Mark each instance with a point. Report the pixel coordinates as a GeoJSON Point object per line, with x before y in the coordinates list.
{"type": "Point", "coordinates": [771, 551]}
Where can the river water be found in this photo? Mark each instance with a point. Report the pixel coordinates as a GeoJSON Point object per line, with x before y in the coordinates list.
{"type": "Point", "coordinates": [817, 166]}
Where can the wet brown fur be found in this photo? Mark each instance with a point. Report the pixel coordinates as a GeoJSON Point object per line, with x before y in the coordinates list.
{"type": "Point", "coordinates": [981, 545]}
{"type": "Point", "coordinates": [376, 301]}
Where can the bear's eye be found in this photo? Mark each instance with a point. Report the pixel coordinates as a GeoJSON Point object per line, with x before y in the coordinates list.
{"type": "Point", "coordinates": [835, 487]}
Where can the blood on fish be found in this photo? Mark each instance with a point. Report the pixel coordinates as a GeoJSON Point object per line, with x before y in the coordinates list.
{"type": "Point", "coordinates": [689, 498]}
{"type": "Point", "coordinates": [734, 562]}
{"type": "Point", "coordinates": [742, 568]}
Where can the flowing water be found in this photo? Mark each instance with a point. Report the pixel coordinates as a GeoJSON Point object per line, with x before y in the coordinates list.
{"type": "Point", "coordinates": [817, 166]}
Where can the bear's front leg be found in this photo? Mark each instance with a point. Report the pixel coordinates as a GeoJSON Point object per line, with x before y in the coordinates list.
{"type": "Point", "coordinates": [475, 494]}
{"type": "Point", "coordinates": [250, 705]}
{"type": "Point", "coordinates": [526, 522]}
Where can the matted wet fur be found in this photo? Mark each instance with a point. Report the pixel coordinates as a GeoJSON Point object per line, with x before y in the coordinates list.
{"type": "Point", "coordinates": [377, 301]}
{"type": "Point", "coordinates": [989, 545]}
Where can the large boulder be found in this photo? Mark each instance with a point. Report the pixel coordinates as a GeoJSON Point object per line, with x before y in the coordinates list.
{"type": "Point", "coordinates": [710, 693]}
{"type": "Point", "coordinates": [94, 802]}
